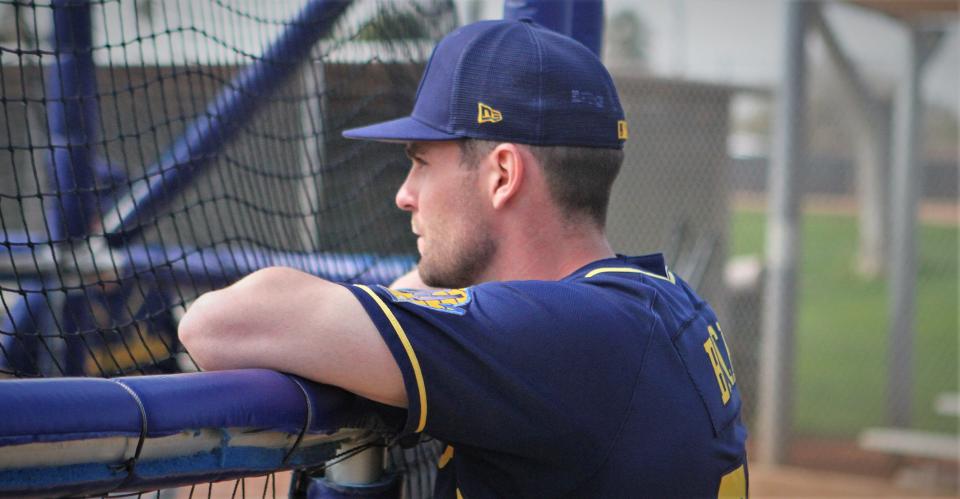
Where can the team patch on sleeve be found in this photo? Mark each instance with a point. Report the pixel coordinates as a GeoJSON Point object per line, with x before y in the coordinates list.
{"type": "Point", "coordinates": [451, 301]}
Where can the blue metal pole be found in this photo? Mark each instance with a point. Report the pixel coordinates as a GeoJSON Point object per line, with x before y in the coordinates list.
{"type": "Point", "coordinates": [72, 115]}
{"type": "Point", "coordinates": [581, 20]}
{"type": "Point", "coordinates": [587, 24]}
{"type": "Point", "coordinates": [556, 15]}
{"type": "Point", "coordinates": [71, 104]}
{"type": "Point", "coordinates": [210, 132]}
{"type": "Point", "coordinates": [19, 342]}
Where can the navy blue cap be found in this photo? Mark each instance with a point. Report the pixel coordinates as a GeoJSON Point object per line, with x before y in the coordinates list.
{"type": "Point", "coordinates": [510, 81]}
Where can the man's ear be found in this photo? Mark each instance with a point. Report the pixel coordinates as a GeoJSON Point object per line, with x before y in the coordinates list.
{"type": "Point", "coordinates": [507, 171]}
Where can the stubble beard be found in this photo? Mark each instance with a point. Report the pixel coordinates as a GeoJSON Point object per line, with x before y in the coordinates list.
{"type": "Point", "coordinates": [458, 262]}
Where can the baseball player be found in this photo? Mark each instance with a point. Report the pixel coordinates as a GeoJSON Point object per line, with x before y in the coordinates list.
{"type": "Point", "coordinates": [549, 365]}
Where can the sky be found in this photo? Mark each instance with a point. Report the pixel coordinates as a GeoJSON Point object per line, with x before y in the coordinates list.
{"type": "Point", "coordinates": [740, 42]}
{"type": "Point", "coordinates": [723, 41]}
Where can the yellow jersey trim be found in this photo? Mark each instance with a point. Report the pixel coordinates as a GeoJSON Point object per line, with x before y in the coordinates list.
{"type": "Point", "coordinates": [421, 388]}
{"type": "Point", "coordinates": [445, 458]}
{"type": "Point", "coordinates": [733, 485]}
{"type": "Point", "coordinates": [669, 277]}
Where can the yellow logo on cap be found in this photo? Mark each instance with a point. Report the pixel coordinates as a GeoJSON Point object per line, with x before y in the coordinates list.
{"type": "Point", "coordinates": [622, 132]}
{"type": "Point", "coordinates": [487, 114]}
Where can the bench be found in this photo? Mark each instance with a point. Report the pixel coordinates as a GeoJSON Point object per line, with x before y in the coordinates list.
{"type": "Point", "coordinates": [948, 404]}
{"type": "Point", "coordinates": [918, 443]}
{"type": "Point", "coordinates": [914, 443]}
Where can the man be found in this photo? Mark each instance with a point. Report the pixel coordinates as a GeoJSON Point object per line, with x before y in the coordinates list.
{"type": "Point", "coordinates": [549, 364]}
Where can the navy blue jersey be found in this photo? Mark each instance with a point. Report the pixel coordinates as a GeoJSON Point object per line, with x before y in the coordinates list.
{"type": "Point", "coordinates": [614, 381]}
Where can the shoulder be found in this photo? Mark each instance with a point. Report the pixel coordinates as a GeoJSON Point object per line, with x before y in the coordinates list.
{"type": "Point", "coordinates": [644, 281]}
{"type": "Point", "coordinates": [568, 297]}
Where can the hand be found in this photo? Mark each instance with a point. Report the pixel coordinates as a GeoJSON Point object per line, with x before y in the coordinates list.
{"type": "Point", "coordinates": [410, 280]}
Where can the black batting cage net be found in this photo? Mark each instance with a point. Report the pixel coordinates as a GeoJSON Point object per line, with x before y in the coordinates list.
{"type": "Point", "coordinates": [153, 150]}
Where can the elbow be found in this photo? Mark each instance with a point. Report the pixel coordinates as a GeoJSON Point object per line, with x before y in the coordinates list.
{"type": "Point", "coordinates": [227, 328]}
{"type": "Point", "coordinates": [201, 332]}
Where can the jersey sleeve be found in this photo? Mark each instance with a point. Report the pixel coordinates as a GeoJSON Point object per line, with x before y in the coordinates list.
{"type": "Point", "coordinates": [513, 367]}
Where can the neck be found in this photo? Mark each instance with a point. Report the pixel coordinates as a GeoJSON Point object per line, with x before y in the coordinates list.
{"type": "Point", "coordinates": [547, 253]}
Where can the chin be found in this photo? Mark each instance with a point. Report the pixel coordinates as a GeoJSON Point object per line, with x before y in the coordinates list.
{"type": "Point", "coordinates": [433, 280]}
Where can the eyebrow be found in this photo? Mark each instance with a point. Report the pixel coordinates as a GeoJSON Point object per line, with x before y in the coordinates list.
{"type": "Point", "coordinates": [414, 152]}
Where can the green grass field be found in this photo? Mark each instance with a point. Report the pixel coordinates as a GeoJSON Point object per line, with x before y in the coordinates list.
{"type": "Point", "coordinates": [841, 341]}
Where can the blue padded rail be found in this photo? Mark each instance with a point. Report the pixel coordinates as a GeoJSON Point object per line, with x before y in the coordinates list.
{"type": "Point", "coordinates": [199, 427]}
{"type": "Point", "coordinates": [223, 265]}
{"type": "Point", "coordinates": [218, 265]}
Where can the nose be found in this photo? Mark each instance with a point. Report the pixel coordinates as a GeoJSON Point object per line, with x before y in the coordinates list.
{"type": "Point", "coordinates": [406, 198]}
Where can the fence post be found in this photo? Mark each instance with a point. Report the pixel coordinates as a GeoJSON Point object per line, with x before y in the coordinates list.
{"type": "Point", "coordinates": [783, 242]}
{"type": "Point", "coordinates": [906, 178]}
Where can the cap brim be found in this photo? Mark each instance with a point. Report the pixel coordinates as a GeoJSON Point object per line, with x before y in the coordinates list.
{"type": "Point", "coordinates": [405, 129]}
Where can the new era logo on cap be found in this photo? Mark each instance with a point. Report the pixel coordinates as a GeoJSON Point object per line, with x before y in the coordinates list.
{"type": "Point", "coordinates": [487, 114]}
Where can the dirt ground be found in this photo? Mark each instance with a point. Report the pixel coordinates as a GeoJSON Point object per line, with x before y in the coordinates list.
{"type": "Point", "coordinates": [792, 481]}
{"type": "Point", "coordinates": [943, 213]}
{"type": "Point", "coordinates": [825, 467]}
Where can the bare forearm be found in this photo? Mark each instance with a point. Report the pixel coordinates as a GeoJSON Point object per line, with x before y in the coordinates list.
{"type": "Point", "coordinates": [286, 320]}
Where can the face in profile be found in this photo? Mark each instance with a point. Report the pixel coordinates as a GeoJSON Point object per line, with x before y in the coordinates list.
{"type": "Point", "coordinates": [448, 215]}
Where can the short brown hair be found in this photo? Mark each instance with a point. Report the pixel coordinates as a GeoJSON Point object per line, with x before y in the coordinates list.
{"type": "Point", "coordinates": [579, 178]}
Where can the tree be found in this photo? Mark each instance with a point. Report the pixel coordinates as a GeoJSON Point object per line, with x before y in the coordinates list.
{"type": "Point", "coordinates": [627, 39]}
{"type": "Point", "coordinates": [393, 24]}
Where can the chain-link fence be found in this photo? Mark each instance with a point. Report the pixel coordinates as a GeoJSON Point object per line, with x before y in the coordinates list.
{"type": "Point", "coordinates": [695, 186]}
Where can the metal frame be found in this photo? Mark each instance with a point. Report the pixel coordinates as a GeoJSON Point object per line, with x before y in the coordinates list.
{"type": "Point", "coordinates": [211, 131]}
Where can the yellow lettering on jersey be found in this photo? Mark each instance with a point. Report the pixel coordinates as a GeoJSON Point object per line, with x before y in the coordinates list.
{"type": "Point", "coordinates": [622, 132]}
{"type": "Point", "coordinates": [487, 114]}
{"type": "Point", "coordinates": [733, 485]}
{"type": "Point", "coordinates": [727, 368]}
{"type": "Point", "coordinates": [711, 348]}
{"type": "Point", "coordinates": [723, 373]}
{"type": "Point", "coordinates": [445, 458]}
